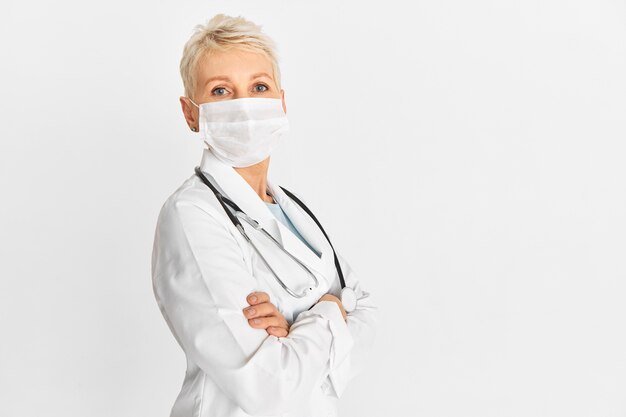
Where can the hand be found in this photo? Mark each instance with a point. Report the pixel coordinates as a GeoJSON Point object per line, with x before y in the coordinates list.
{"type": "Point", "coordinates": [331, 297]}
{"type": "Point", "coordinates": [264, 315]}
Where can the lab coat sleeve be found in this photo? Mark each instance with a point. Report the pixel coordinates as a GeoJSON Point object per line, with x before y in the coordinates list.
{"type": "Point", "coordinates": [363, 323]}
{"type": "Point", "coordinates": [201, 282]}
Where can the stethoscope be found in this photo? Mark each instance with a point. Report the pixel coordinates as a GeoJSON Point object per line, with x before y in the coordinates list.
{"type": "Point", "coordinates": [348, 296]}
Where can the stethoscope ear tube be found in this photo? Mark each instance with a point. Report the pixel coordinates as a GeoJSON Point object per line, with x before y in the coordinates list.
{"type": "Point", "coordinates": [310, 213]}
{"type": "Point", "coordinates": [232, 217]}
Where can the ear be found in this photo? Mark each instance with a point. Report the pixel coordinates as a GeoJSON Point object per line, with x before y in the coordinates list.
{"type": "Point", "coordinates": [190, 112]}
{"type": "Point", "coordinates": [282, 94]}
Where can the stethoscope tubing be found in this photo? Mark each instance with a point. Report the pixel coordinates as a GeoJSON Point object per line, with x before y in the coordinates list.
{"type": "Point", "coordinates": [280, 281]}
{"type": "Point", "coordinates": [240, 213]}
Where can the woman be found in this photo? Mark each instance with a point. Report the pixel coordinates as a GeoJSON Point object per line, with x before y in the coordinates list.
{"type": "Point", "coordinates": [252, 347]}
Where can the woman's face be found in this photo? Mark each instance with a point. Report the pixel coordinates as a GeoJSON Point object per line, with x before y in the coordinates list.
{"type": "Point", "coordinates": [227, 75]}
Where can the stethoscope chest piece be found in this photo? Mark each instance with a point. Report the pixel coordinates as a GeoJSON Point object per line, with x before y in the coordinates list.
{"type": "Point", "coordinates": [348, 299]}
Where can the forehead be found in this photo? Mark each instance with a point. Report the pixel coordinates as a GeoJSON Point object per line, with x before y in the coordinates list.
{"type": "Point", "coordinates": [236, 64]}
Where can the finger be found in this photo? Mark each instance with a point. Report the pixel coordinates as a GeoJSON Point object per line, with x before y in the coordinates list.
{"type": "Point", "coordinates": [257, 297]}
{"type": "Point", "coordinates": [260, 310]}
{"type": "Point", "coordinates": [277, 331]}
{"type": "Point", "coordinates": [265, 322]}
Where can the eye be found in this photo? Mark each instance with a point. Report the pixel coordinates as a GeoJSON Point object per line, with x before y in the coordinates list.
{"type": "Point", "coordinates": [262, 85]}
{"type": "Point", "coordinates": [216, 89]}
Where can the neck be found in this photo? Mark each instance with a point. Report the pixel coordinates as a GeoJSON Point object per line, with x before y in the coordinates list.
{"type": "Point", "coordinates": [256, 176]}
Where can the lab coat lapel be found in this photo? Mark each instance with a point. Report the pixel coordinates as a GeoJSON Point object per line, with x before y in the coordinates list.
{"type": "Point", "coordinates": [235, 187]}
{"type": "Point", "coordinates": [307, 227]}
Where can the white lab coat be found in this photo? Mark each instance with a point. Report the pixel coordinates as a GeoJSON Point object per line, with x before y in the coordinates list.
{"type": "Point", "coordinates": [203, 270]}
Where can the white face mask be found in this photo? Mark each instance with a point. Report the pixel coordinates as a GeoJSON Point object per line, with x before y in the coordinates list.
{"type": "Point", "coordinates": [242, 131]}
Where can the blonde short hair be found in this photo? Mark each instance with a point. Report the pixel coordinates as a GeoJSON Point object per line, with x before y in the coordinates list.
{"type": "Point", "coordinates": [222, 33]}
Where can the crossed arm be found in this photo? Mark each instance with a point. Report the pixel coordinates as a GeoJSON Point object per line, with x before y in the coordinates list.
{"type": "Point", "coordinates": [263, 314]}
{"type": "Point", "coordinates": [202, 286]}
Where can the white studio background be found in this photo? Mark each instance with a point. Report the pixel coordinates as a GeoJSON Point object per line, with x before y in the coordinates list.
{"type": "Point", "coordinates": [467, 158]}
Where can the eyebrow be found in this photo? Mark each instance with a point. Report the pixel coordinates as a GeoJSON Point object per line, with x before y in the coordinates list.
{"type": "Point", "coordinates": [225, 78]}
